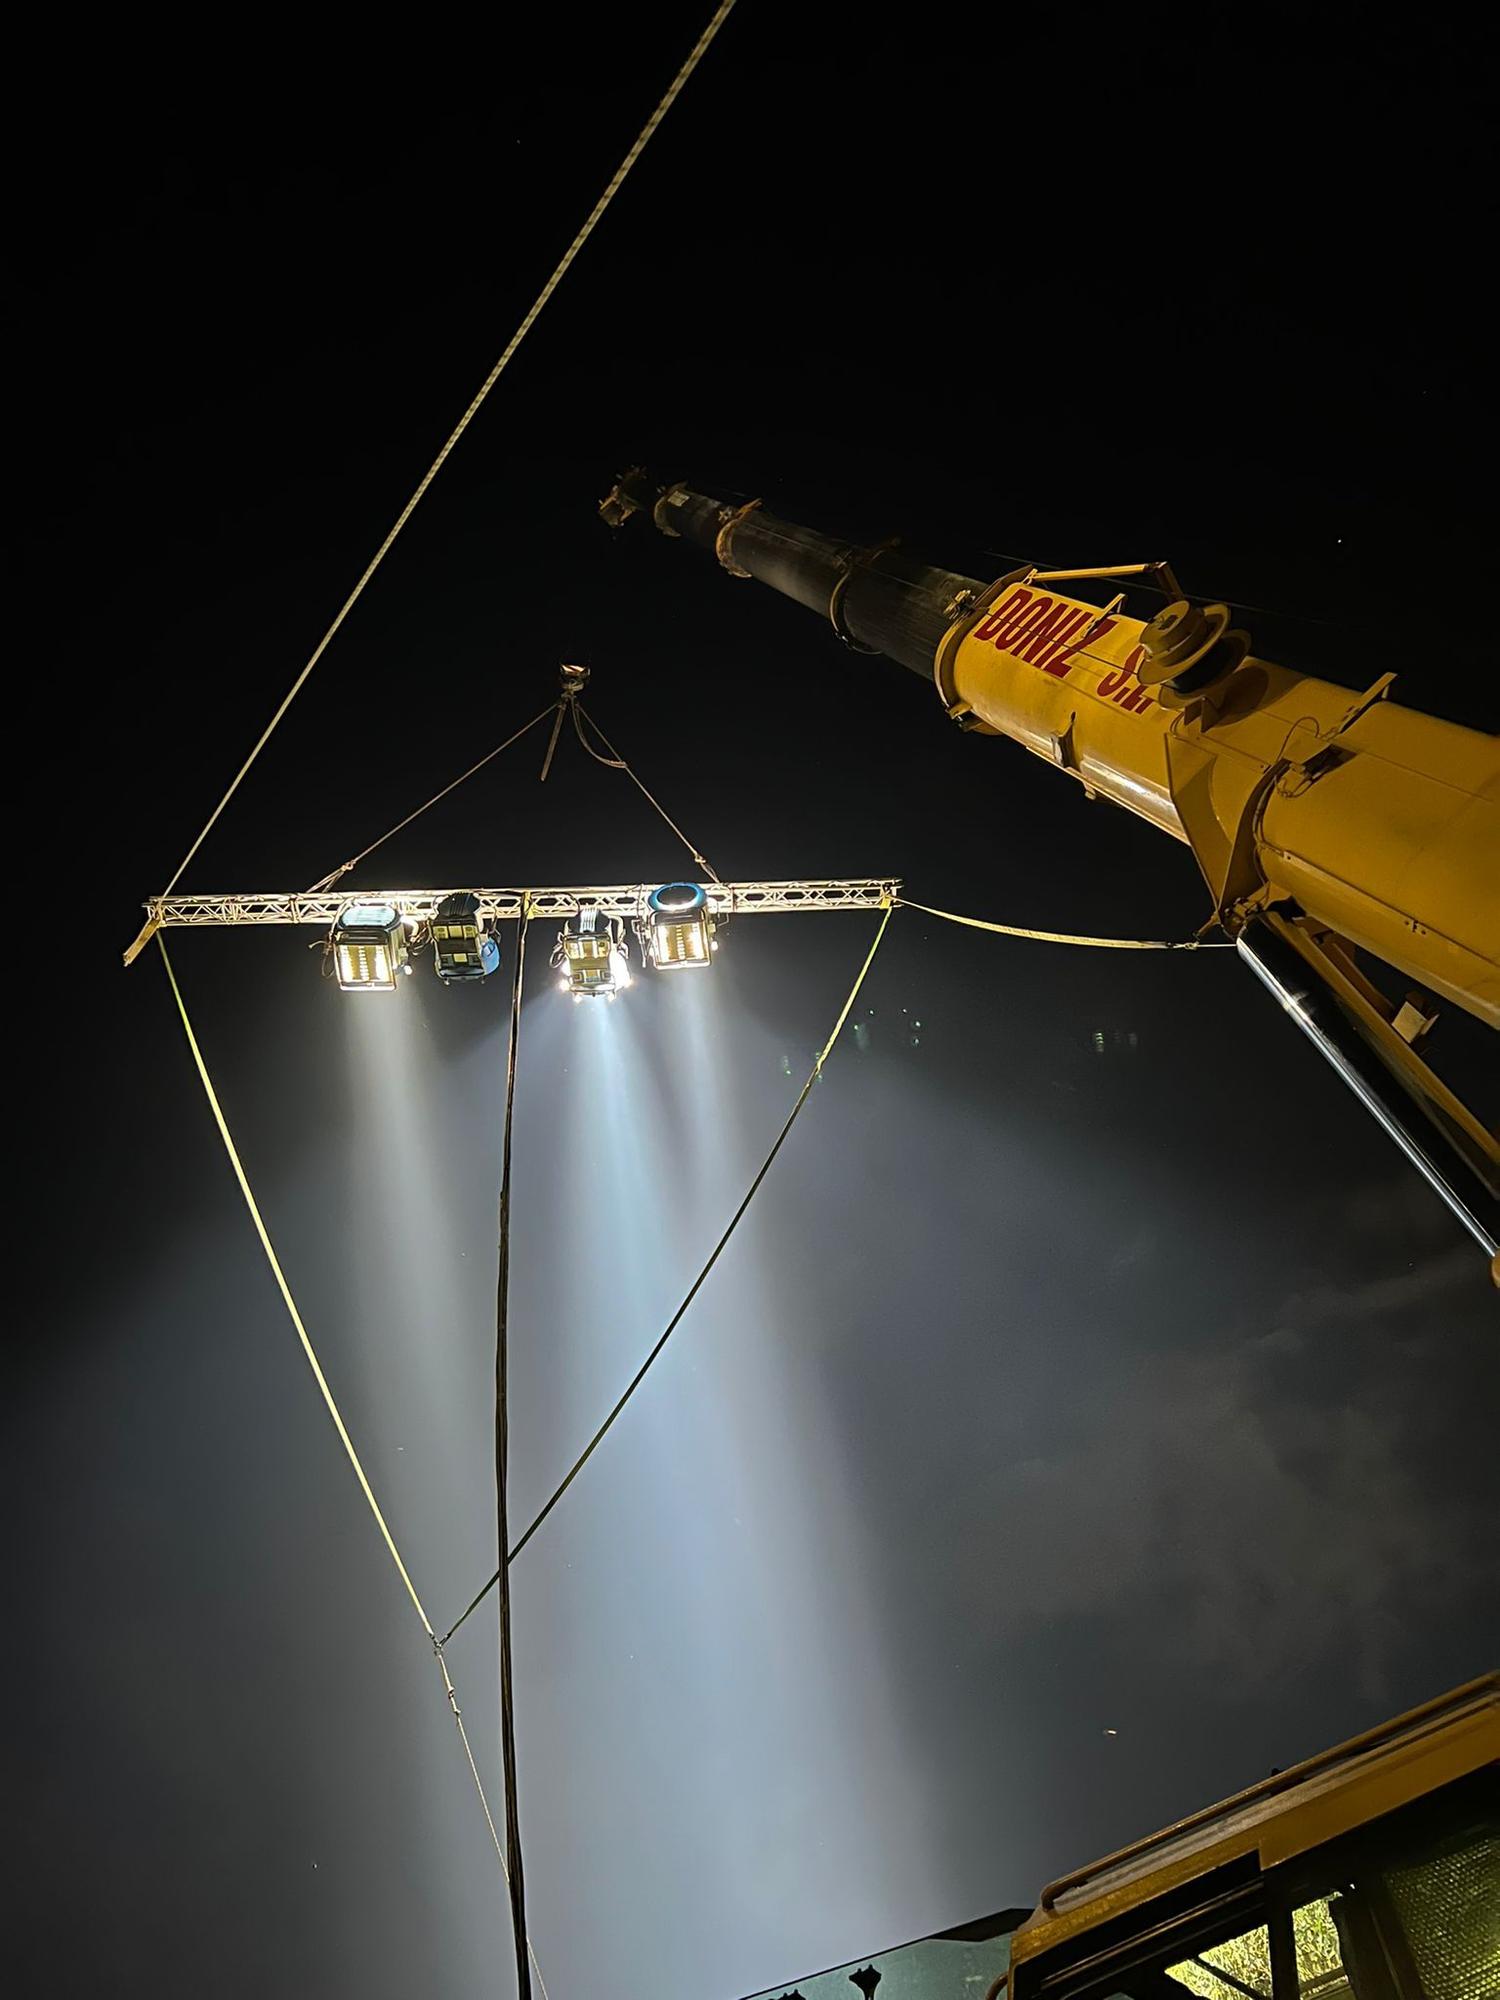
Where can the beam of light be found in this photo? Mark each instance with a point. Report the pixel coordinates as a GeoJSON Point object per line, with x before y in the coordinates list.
{"type": "Point", "coordinates": [420, 1206]}
{"type": "Point", "coordinates": [701, 1663]}
{"type": "Point", "coordinates": [420, 1275]}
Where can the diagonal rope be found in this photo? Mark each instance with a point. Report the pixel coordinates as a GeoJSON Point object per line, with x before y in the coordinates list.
{"type": "Point", "coordinates": [618, 763]}
{"type": "Point", "coordinates": [697, 1285]}
{"type": "Point", "coordinates": [332, 1407]}
{"type": "Point", "coordinates": [286, 1294]}
{"type": "Point", "coordinates": [1066, 937]}
{"type": "Point", "coordinates": [721, 14]}
{"type": "Point", "coordinates": [336, 874]}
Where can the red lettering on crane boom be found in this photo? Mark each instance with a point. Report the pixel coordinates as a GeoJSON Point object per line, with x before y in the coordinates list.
{"type": "Point", "coordinates": [1004, 615]}
{"type": "Point", "coordinates": [1120, 686]}
{"type": "Point", "coordinates": [1050, 634]}
{"type": "Point", "coordinates": [1029, 611]}
{"type": "Point", "coordinates": [1100, 629]}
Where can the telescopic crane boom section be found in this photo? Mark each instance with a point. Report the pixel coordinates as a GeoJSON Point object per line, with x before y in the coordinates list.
{"type": "Point", "coordinates": [1325, 823]}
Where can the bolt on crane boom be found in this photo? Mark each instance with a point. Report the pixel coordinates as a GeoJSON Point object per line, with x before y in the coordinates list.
{"type": "Point", "coordinates": [1325, 823]}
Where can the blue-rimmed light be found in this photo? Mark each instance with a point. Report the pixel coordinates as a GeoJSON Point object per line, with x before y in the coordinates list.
{"type": "Point", "coordinates": [369, 948]}
{"type": "Point", "coordinates": [681, 926]}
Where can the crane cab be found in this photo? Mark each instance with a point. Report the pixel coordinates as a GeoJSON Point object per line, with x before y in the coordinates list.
{"type": "Point", "coordinates": [1370, 1872]}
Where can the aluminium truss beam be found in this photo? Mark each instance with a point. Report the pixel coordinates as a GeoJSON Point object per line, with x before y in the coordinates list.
{"type": "Point", "coordinates": [323, 907]}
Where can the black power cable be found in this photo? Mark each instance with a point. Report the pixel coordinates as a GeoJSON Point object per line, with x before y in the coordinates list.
{"type": "Point", "coordinates": [509, 1554]}
{"type": "Point", "coordinates": [515, 1875]}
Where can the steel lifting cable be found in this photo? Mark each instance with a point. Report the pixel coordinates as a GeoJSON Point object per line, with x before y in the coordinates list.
{"type": "Point", "coordinates": [721, 14]}
{"type": "Point", "coordinates": [618, 763]}
{"type": "Point", "coordinates": [1192, 596]}
{"type": "Point", "coordinates": [336, 874]}
{"type": "Point", "coordinates": [331, 1405]}
{"type": "Point", "coordinates": [693, 1290]}
{"type": "Point", "coordinates": [1080, 652]}
{"type": "Point", "coordinates": [767, 533]}
{"type": "Point", "coordinates": [1067, 937]}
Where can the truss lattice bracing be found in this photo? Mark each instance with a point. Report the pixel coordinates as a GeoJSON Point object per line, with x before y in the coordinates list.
{"type": "Point", "coordinates": [324, 906]}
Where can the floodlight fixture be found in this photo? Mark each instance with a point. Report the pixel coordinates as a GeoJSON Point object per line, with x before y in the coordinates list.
{"type": "Point", "coordinates": [462, 945]}
{"type": "Point", "coordinates": [679, 927]}
{"type": "Point", "coordinates": [369, 948]}
{"type": "Point", "coordinates": [591, 955]}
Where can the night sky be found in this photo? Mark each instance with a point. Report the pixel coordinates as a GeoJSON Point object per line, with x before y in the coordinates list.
{"type": "Point", "coordinates": [1071, 1433]}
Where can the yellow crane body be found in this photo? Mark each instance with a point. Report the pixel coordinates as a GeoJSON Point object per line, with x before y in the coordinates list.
{"type": "Point", "coordinates": [1394, 1835]}
{"type": "Point", "coordinates": [1383, 824]}
{"type": "Point", "coordinates": [1331, 826]}
{"type": "Point", "coordinates": [1368, 1872]}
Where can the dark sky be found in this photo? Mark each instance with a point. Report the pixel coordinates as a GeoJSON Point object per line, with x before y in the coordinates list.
{"type": "Point", "coordinates": [1045, 1392]}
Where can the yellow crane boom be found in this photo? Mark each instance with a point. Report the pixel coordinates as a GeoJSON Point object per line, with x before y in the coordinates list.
{"type": "Point", "coordinates": [1325, 823]}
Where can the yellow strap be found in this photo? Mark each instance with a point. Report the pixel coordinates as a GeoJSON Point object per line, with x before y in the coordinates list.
{"type": "Point", "coordinates": [286, 1291]}
{"type": "Point", "coordinates": [148, 931]}
{"type": "Point", "coordinates": [1066, 937]}
{"type": "Point", "coordinates": [848, 1007]}
{"type": "Point", "coordinates": [333, 1410]}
